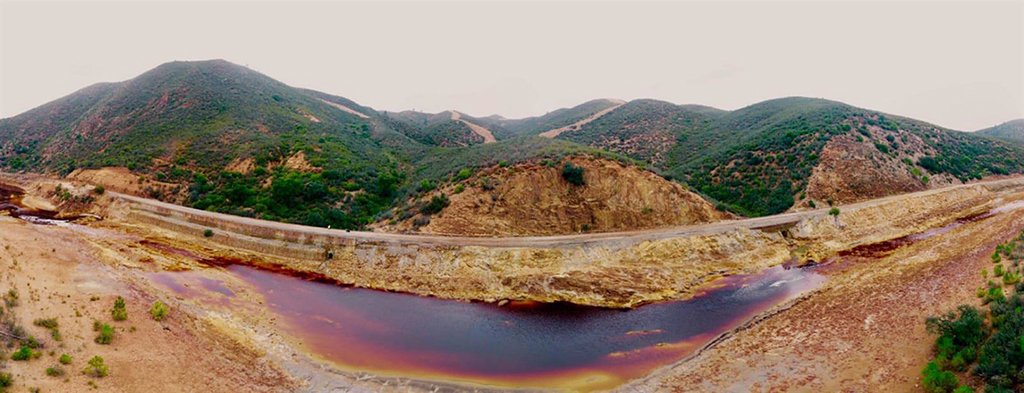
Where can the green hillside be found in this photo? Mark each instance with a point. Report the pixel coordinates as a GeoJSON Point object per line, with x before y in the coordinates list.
{"type": "Point", "coordinates": [184, 122]}
{"type": "Point", "coordinates": [757, 160]}
{"type": "Point", "coordinates": [554, 119]}
{"type": "Point", "coordinates": [1012, 130]}
{"type": "Point", "coordinates": [236, 141]}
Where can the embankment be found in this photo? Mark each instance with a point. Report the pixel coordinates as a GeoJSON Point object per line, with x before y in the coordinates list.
{"type": "Point", "coordinates": [609, 269]}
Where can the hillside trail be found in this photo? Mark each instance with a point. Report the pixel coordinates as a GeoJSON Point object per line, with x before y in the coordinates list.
{"type": "Point", "coordinates": [579, 124]}
{"type": "Point", "coordinates": [550, 241]}
{"type": "Point", "coordinates": [477, 129]}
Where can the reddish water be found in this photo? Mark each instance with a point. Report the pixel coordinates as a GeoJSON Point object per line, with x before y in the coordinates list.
{"type": "Point", "coordinates": [527, 344]}
{"type": "Point", "coordinates": [881, 249]}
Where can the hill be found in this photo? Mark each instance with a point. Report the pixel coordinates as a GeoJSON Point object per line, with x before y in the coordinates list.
{"type": "Point", "coordinates": [1012, 130]}
{"type": "Point", "coordinates": [535, 198]}
{"type": "Point", "coordinates": [218, 136]}
{"type": "Point", "coordinates": [771, 156]}
{"type": "Point", "coordinates": [217, 132]}
{"type": "Point", "coordinates": [221, 137]}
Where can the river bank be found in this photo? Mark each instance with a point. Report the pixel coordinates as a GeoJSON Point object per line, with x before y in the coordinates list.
{"type": "Point", "coordinates": [608, 270]}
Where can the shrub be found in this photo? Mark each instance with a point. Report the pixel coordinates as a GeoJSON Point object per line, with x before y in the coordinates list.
{"type": "Point", "coordinates": [24, 353]}
{"type": "Point", "coordinates": [65, 359]}
{"type": "Point", "coordinates": [11, 298]}
{"type": "Point", "coordinates": [834, 212]}
{"type": "Point", "coordinates": [119, 312]}
{"type": "Point", "coordinates": [964, 326]}
{"type": "Point", "coordinates": [99, 190]}
{"type": "Point", "coordinates": [106, 335]}
{"type": "Point", "coordinates": [6, 380]}
{"type": "Point", "coordinates": [935, 380]}
{"type": "Point", "coordinates": [49, 323]}
{"type": "Point", "coordinates": [458, 189]}
{"type": "Point", "coordinates": [208, 233]}
{"type": "Point", "coordinates": [1011, 278]}
{"type": "Point", "coordinates": [436, 204]}
{"type": "Point", "coordinates": [573, 174]}
{"type": "Point", "coordinates": [96, 368]}
{"type": "Point", "coordinates": [998, 271]}
{"type": "Point", "coordinates": [55, 371]}
{"type": "Point", "coordinates": [158, 311]}
{"type": "Point", "coordinates": [426, 186]}
{"type": "Point", "coordinates": [464, 174]}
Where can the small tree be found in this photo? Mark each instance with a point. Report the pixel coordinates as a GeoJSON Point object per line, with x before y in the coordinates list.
{"type": "Point", "coordinates": [573, 174]}
{"type": "Point", "coordinates": [834, 212]}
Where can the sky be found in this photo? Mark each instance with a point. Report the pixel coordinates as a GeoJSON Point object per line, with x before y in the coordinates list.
{"type": "Point", "coordinates": [955, 64]}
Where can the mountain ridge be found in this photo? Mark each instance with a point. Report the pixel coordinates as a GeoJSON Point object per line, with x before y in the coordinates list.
{"type": "Point", "coordinates": [222, 137]}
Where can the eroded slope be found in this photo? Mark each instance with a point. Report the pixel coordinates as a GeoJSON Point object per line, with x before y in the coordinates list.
{"type": "Point", "coordinates": [535, 199]}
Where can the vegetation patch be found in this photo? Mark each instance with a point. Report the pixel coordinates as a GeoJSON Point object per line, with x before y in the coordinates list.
{"type": "Point", "coordinates": [987, 342]}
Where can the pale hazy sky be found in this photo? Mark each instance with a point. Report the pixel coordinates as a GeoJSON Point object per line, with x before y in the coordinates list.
{"type": "Point", "coordinates": [956, 64]}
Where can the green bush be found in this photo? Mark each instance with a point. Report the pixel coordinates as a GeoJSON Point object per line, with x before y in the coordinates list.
{"type": "Point", "coordinates": [6, 380]}
{"type": "Point", "coordinates": [99, 190]}
{"type": "Point", "coordinates": [935, 380]}
{"type": "Point", "coordinates": [96, 368]}
{"type": "Point", "coordinates": [24, 353]}
{"type": "Point", "coordinates": [458, 189]}
{"type": "Point", "coordinates": [55, 371]}
{"type": "Point", "coordinates": [463, 174]}
{"type": "Point", "coordinates": [208, 233]}
{"type": "Point", "coordinates": [119, 312]}
{"type": "Point", "coordinates": [436, 204]}
{"type": "Point", "coordinates": [106, 334]}
{"type": "Point", "coordinates": [573, 174]}
{"type": "Point", "coordinates": [834, 212]}
{"type": "Point", "coordinates": [158, 311]}
{"type": "Point", "coordinates": [65, 359]}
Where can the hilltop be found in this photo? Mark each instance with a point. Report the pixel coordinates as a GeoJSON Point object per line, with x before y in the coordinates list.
{"type": "Point", "coordinates": [221, 137]}
{"type": "Point", "coordinates": [1012, 130]}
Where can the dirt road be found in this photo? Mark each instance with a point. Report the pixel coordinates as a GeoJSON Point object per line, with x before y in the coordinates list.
{"type": "Point", "coordinates": [541, 241]}
{"type": "Point", "coordinates": [575, 126]}
{"type": "Point", "coordinates": [477, 129]}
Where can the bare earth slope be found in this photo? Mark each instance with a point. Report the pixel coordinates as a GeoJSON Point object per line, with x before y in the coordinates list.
{"type": "Point", "coordinates": [534, 199]}
{"type": "Point", "coordinates": [477, 129]}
